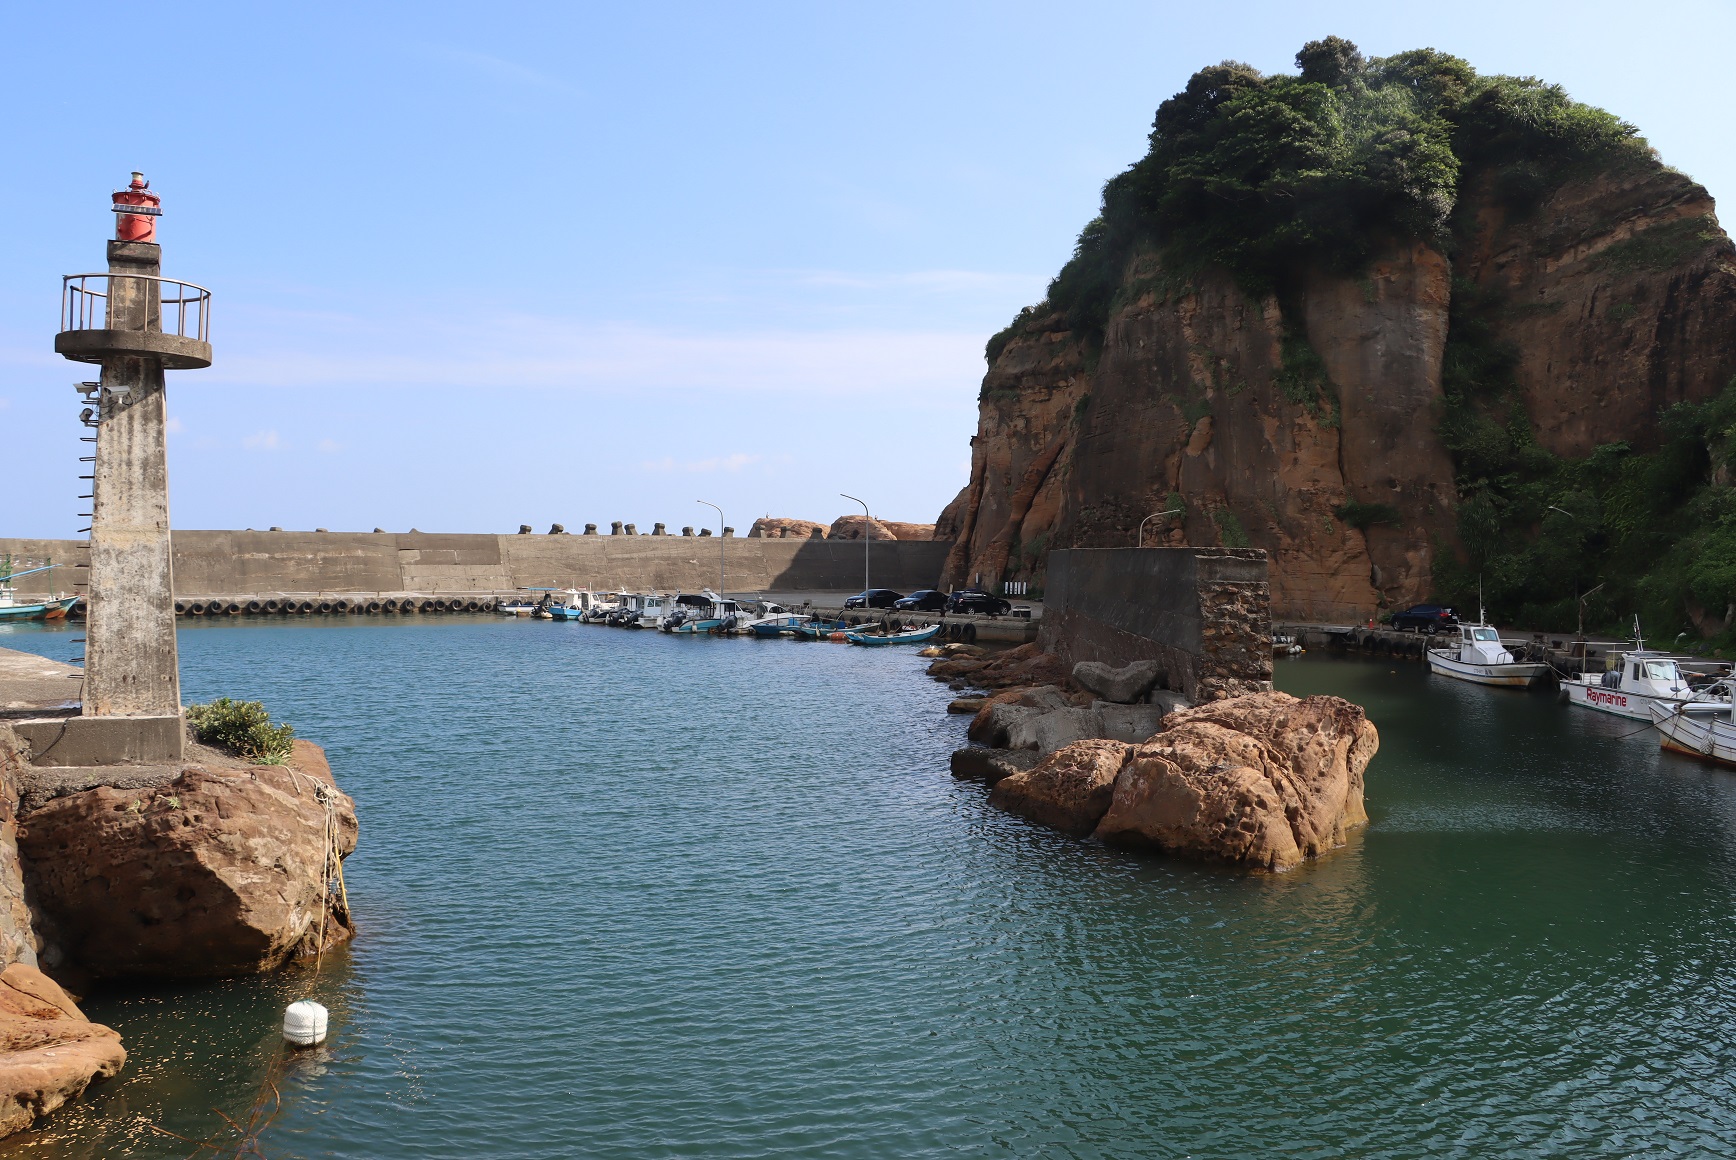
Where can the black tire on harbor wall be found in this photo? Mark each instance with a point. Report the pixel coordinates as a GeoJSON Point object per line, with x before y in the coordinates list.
{"type": "Point", "coordinates": [305, 606]}
{"type": "Point", "coordinates": [970, 634]}
{"type": "Point", "coordinates": [473, 606]}
{"type": "Point", "coordinates": [197, 608]}
{"type": "Point", "coordinates": [180, 609]}
{"type": "Point", "coordinates": [273, 605]}
{"type": "Point", "coordinates": [233, 608]}
{"type": "Point", "coordinates": [374, 606]}
{"type": "Point", "coordinates": [425, 606]}
{"type": "Point", "coordinates": [255, 607]}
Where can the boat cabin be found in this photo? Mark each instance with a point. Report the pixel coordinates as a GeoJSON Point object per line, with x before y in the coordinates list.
{"type": "Point", "coordinates": [1481, 645]}
{"type": "Point", "coordinates": [1650, 674]}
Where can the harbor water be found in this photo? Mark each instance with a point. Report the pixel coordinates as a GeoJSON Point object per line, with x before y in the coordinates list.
{"type": "Point", "coordinates": [628, 895]}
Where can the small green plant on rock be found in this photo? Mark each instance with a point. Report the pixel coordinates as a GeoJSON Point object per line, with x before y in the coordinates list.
{"type": "Point", "coordinates": [243, 728]}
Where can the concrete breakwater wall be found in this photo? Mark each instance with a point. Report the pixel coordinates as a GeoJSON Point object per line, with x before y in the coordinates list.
{"type": "Point", "coordinates": [211, 564]}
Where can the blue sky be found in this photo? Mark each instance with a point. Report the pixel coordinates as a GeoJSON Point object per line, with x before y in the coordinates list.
{"type": "Point", "coordinates": [478, 265]}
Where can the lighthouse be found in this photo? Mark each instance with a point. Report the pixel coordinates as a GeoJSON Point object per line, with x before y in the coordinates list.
{"type": "Point", "coordinates": [135, 324]}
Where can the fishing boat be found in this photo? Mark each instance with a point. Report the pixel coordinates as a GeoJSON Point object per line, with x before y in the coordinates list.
{"type": "Point", "coordinates": [1702, 726]}
{"type": "Point", "coordinates": [706, 612]}
{"type": "Point", "coordinates": [1635, 681]}
{"type": "Point", "coordinates": [1482, 659]}
{"type": "Point", "coordinates": [821, 630]}
{"type": "Point", "coordinates": [781, 624]}
{"type": "Point", "coordinates": [908, 636]}
{"type": "Point", "coordinates": [54, 607]}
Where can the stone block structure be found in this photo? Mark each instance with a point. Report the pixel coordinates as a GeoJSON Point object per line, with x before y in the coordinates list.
{"type": "Point", "coordinates": [1203, 614]}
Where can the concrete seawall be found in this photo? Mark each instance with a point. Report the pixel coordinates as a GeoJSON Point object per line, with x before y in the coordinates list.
{"type": "Point", "coordinates": [225, 563]}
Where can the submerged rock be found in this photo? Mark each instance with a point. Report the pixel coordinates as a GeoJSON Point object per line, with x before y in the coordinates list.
{"type": "Point", "coordinates": [49, 1052]}
{"type": "Point", "coordinates": [222, 871]}
{"type": "Point", "coordinates": [1262, 780]}
{"type": "Point", "coordinates": [980, 763]}
{"type": "Point", "coordinates": [1069, 790]}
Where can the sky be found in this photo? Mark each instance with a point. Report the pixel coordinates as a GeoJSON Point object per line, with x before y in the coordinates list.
{"type": "Point", "coordinates": [481, 265]}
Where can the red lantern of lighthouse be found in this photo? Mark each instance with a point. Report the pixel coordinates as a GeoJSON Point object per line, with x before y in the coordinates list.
{"type": "Point", "coordinates": [136, 211]}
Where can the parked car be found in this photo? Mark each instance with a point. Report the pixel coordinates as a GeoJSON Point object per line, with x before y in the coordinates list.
{"type": "Point", "coordinates": [928, 600]}
{"type": "Point", "coordinates": [981, 603]}
{"type": "Point", "coordinates": [1429, 618]}
{"type": "Point", "coordinates": [874, 598]}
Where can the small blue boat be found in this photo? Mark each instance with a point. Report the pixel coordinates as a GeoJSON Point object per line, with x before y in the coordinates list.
{"type": "Point", "coordinates": [909, 636]}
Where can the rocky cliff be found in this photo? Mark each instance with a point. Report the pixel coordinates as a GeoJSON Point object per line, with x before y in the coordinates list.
{"type": "Point", "coordinates": [1325, 383]}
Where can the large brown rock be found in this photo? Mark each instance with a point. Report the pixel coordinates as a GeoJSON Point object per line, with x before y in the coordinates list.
{"type": "Point", "coordinates": [220, 872]}
{"type": "Point", "coordinates": [49, 1052]}
{"type": "Point", "coordinates": [1264, 780]}
{"type": "Point", "coordinates": [1070, 789]}
{"type": "Point", "coordinates": [1617, 296]}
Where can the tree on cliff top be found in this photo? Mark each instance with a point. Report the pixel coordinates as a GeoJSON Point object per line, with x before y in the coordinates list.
{"type": "Point", "coordinates": [1267, 176]}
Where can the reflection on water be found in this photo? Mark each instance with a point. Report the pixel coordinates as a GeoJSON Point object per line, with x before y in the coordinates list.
{"type": "Point", "coordinates": [629, 895]}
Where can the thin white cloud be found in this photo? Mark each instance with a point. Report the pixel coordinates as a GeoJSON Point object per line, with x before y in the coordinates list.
{"type": "Point", "coordinates": [496, 69]}
{"type": "Point", "coordinates": [261, 441]}
{"type": "Point", "coordinates": [734, 462]}
{"type": "Point", "coordinates": [515, 352]}
{"type": "Point", "coordinates": [330, 446]}
{"type": "Point", "coordinates": [173, 426]}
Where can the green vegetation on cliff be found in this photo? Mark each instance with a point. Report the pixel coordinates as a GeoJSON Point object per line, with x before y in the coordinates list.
{"type": "Point", "coordinates": [1273, 176]}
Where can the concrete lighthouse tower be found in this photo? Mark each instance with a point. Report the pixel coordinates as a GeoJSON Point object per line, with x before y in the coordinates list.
{"type": "Point", "coordinates": [136, 324]}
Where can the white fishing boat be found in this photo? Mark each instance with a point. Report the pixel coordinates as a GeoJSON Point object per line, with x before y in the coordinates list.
{"type": "Point", "coordinates": [1482, 659]}
{"type": "Point", "coordinates": [1702, 726]}
{"type": "Point", "coordinates": [1634, 682]}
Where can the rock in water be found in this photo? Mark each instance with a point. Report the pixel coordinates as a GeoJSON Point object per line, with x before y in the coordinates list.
{"type": "Point", "coordinates": [1262, 780]}
{"type": "Point", "coordinates": [49, 1051]}
{"type": "Point", "coordinates": [1069, 790]}
{"type": "Point", "coordinates": [220, 872]}
{"type": "Point", "coordinates": [1124, 686]}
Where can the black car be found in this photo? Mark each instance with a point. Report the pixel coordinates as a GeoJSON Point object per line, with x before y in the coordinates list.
{"type": "Point", "coordinates": [928, 600]}
{"type": "Point", "coordinates": [874, 598]}
{"type": "Point", "coordinates": [1429, 618]}
{"type": "Point", "coordinates": [981, 603]}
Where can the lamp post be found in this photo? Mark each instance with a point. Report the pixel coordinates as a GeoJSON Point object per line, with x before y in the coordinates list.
{"type": "Point", "coordinates": [1153, 516]}
{"type": "Point", "coordinates": [867, 534]}
{"type": "Point", "coordinates": [719, 511]}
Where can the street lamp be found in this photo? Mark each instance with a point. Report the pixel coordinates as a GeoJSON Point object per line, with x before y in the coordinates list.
{"type": "Point", "coordinates": [867, 534]}
{"type": "Point", "coordinates": [1153, 516]}
{"type": "Point", "coordinates": [719, 511]}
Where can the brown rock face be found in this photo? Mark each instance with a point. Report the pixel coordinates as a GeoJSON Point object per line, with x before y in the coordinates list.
{"type": "Point", "coordinates": [49, 1052]}
{"type": "Point", "coordinates": [1070, 789]}
{"type": "Point", "coordinates": [221, 872]}
{"type": "Point", "coordinates": [777, 528]}
{"type": "Point", "coordinates": [1618, 293]}
{"type": "Point", "coordinates": [1264, 780]}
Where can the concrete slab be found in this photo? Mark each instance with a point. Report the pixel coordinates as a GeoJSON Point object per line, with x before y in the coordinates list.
{"type": "Point", "coordinates": [33, 686]}
{"type": "Point", "coordinates": [99, 741]}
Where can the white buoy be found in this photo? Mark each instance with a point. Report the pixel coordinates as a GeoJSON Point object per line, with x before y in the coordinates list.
{"type": "Point", "coordinates": [304, 1023]}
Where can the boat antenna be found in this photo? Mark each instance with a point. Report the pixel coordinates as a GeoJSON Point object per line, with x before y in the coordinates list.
{"type": "Point", "coordinates": [1482, 613]}
{"type": "Point", "coordinates": [1639, 641]}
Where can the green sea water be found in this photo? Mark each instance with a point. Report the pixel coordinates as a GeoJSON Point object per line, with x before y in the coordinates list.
{"type": "Point", "coordinates": [630, 895]}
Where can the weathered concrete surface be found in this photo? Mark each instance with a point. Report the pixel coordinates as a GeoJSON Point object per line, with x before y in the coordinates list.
{"type": "Point", "coordinates": [49, 1051]}
{"type": "Point", "coordinates": [91, 741]}
{"type": "Point", "coordinates": [33, 686]}
{"type": "Point", "coordinates": [226, 563]}
{"type": "Point", "coordinates": [131, 667]}
{"type": "Point", "coordinates": [1203, 614]}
